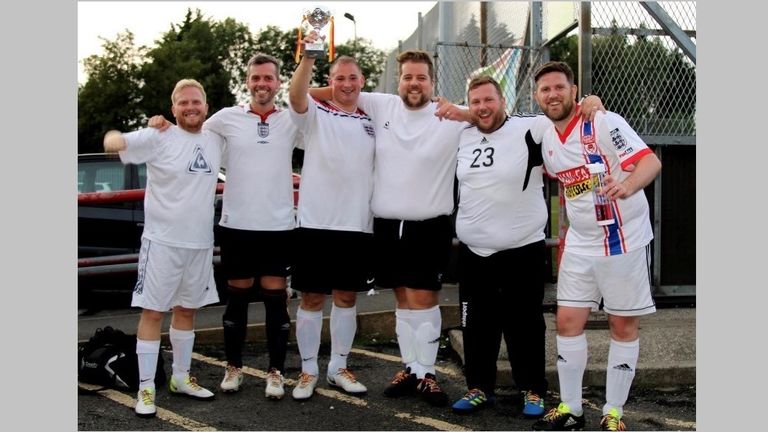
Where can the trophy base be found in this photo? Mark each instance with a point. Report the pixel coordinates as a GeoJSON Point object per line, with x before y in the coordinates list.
{"type": "Point", "coordinates": [315, 51]}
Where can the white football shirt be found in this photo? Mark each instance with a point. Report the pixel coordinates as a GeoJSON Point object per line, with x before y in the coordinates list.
{"type": "Point", "coordinates": [258, 195]}
{"type": "Point", "coordinates": [182, 171]}
{"type": "Point", "coordinates": [415, 159]}
{"type": "Point", "coordinates": [337, 175]}
{"type": "Point", "coordinates": [501, 196]}
{"type": "Point", "coordinates": [617, 146]}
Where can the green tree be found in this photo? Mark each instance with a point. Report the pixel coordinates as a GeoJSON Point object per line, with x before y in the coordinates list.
{"type": "Point", "coordinates": [651, 85]}
{"type": "Point", "coordinates": [110, 98]}
{"type": "Point", "coordinates": [282, 44]}
{"type": "Point", "coordinates": [208, 51]}
{"type": "Point", "coordinates": [127, 84]}
{"type": "Point", "coordinates": [566, 50]}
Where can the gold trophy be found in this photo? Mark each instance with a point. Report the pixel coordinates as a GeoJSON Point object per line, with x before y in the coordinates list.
{"type": "Point", "coordinates": [317, 18]}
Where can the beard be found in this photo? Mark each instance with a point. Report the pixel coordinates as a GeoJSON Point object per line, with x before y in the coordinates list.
{"type": "Point", "coordinates": [498, 119]}
{"type": "Point", "coordinates": [422, 101]}
{"type": "Point", "coordinates": [555, 115]}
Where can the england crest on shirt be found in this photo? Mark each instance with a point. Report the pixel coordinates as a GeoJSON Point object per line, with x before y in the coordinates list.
{"type": "Point", "coordinates": [263, 130]}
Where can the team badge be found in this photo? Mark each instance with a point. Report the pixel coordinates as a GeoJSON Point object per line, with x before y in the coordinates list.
{"type": "Point", "coordinates": [369, 130]}
{"type": "Point", "coordinates": [198, 164]}
{"type": "Point", "coordinates": [263, 129]}
{"type": "Point", "coordinates": [618, 139]}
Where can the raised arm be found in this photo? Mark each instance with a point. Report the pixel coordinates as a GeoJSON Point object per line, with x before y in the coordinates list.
{"type": "Point", "coordinates": [114, 142]}
{"type": "Point", "coordinates": [299, 86]}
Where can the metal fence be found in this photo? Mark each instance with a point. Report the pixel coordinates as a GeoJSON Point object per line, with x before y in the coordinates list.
{"type": "Point", "coordinates": [639, 57]}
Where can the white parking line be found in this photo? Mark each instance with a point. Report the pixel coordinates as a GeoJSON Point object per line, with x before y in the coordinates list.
{"type": "Point", "coordinates": [395, 359]}
{"type": "Point", "coordinates": [667, 421]}
{"type": "Point", "coordinates": [427, 421]}
{"type": "Point", "coordinates": [162, 414]}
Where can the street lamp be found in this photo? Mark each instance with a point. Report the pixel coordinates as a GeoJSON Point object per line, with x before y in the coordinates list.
{"type": "Point", "coordinates": [351, 17]}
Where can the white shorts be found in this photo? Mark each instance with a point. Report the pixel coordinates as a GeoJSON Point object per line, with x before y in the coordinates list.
{"type": "Point", "coordinates": [621, 281]}
{"type": "Point", "coordinates": [170, 276]}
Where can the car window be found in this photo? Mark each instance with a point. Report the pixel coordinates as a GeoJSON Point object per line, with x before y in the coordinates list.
{"type": "Point", "coordinates": [142, 176]}
{"type": "Point", "coordinates": [100, 177]}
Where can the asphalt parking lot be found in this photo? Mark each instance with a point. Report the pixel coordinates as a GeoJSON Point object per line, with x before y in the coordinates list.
{"type": "Point", "coordinates": [374, 362]}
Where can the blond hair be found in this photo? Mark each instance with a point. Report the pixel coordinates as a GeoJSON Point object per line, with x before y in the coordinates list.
{"type": "Point", "coordinates": [184, 83]}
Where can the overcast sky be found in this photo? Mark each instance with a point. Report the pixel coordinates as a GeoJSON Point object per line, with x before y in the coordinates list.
{"type": "Point", "coordinates": [384, 23]}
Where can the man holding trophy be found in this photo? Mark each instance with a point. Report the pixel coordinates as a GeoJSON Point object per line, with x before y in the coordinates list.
{"type": "Point", "coordinates": [336, 188]}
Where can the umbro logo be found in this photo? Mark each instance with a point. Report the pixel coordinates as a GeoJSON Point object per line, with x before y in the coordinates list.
{"type": "Point", "coordinates": [623, 367]}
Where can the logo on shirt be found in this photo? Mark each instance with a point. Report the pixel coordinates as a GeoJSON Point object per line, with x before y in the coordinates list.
{"type": "Point", "coordinates": [386, 125]}
{"type": "Point", "coordinates": [263, 129]}
{"type": "Point", "coordinates": [576, 182]}
{"type": "Point", "coordinates": [618, 139]}
{"type": "Point", "coordinates": [588, 138]}
{"type": "Point", "coordinates": [369, 130]}
{"type": "Point", "coordinates": [198, 164]}
{"type": "Point", "coordinates": [484, 141]}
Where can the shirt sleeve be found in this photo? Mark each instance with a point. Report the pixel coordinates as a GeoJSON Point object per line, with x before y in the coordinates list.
{"type": "Point", "coordinates": [617, 136]}
{"type": "Point", "coordinates": [143, 146]}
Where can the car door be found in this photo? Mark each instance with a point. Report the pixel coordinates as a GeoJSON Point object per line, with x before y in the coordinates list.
{"type": "Point", "coordinates": [107, 228]}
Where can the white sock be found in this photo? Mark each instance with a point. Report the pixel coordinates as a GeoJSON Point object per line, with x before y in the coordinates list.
{"type": "Point", "coordinates": [309, 324]}
{"type": "Point", "coordinates": [405, 338]}
{"type": "Point", "coordinates": [182, 342]}
{"type": "Point", "coordinates": [571, 363]}
{"type": "Point", "coordinates": [147, 352]}
{"type": "Point", "coordinates": [343, 329]}
{"type": "Point", "coordinates": [622, 361]}
{"type": "Point", "coordinates": [427, 324]}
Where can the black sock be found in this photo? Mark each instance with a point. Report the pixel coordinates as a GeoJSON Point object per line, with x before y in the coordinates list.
{"type": "Point", "coordinates": [278, 326]}
{"type": "Point", "coordinates": [235, 320]}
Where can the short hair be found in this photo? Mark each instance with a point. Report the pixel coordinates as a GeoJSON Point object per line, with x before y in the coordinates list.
{"type": "Point", "coordinates": [482, 80]}
{"type": "Point", "coordinates": [344, 59]}
{"type": "Point", "coordinates": [415, 56]}
{"type": "Point", "coordinates": [554, 66]}
{"type": "Point", "coordinates": [184, 83]}
{"type": "Point", "coordinates": [260, 58]}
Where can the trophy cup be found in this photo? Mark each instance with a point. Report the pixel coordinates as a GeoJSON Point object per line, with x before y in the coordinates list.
{"type": "Point", "coordinates": [317, 19]}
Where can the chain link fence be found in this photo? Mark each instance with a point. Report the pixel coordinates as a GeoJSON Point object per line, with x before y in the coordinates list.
{"type": "Point", "coordinates": [639, 57]}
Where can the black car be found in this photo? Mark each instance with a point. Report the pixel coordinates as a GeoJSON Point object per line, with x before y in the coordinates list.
{"type": "Point", "coordinates": [110, 220]}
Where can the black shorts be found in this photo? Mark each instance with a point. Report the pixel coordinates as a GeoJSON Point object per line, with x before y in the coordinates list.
{"type": "Point", "coordinates": [413, 254]}
{"type": "Point", "coordinates": [246, 254]}
{"type": "Point", "coordinates": [329, 260]}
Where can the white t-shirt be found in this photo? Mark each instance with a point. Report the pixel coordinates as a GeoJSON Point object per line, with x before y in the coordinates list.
{"type": "Point", "coordinates": [337, 175]}
{"type": "Point", "coordinates": [618, 146]}
{"type": "Point", "coordinates": [257, 156]}
{"type": "Point", "coordinates": [415, 159]}
{"type": "Point", "coordinates": [501, 197]}
{"type": "Point", "coordinates": [182, 170]}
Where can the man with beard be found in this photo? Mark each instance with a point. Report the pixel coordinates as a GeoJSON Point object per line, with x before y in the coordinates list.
{"type": "Point", "coordinates": [606, 263]}
{"type": "Point", "coordinates": [257, 219]}
{"type": "Point", "coordinates": [175, 270]}
{"type": "Point", "coordinates": [412, 202]}
{"type": "Point", "coordinates": [502, 255]}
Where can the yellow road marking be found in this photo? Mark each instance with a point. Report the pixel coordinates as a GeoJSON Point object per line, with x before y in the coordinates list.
{"type": "Point", "coordinates": [163, 414]}
{"type": "Point", "coordinates": [437, 424]}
